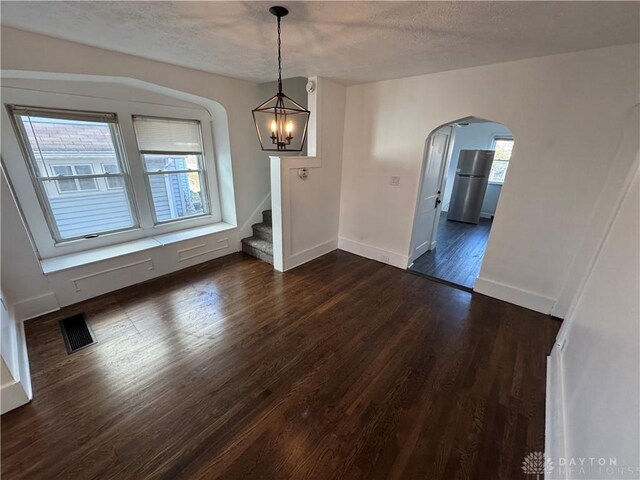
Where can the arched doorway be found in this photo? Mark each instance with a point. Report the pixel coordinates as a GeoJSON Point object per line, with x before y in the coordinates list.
{"type": "Point", "coordinates": [464, 168]}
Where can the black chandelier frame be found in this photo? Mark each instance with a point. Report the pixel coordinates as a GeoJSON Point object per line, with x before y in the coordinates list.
{"type": "Point", "coordinates": [281, 108]}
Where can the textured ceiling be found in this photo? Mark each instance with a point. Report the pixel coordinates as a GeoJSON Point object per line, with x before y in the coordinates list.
{"type": "Point", "coordinates": [349, 41]}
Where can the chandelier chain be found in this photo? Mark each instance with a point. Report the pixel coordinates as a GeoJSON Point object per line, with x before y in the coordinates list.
{"type": "Point", "coordinates": [279, 60]}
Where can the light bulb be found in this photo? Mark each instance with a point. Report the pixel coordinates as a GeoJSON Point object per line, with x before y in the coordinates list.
{"type": "Point", "coordinates": [274, 126]}
{"type": "Point", "coordinates": [289, 128]}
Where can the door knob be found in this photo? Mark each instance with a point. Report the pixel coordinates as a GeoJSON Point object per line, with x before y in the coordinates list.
{"type": "Point", "coordinates": [438, 201]}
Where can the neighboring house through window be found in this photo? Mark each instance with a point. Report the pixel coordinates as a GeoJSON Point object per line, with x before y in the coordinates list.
{"type": "Point", "coordinates": [114, 181]}
{"type": "Point", "coordinates": [76, 184]}
{"type": "Point", "coordinates": [503, 147]}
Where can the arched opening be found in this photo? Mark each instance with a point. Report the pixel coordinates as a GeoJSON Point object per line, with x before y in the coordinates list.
{"type": "Point", "coordinates": [464, 168]}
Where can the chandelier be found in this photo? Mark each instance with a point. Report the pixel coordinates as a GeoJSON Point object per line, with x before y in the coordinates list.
{"type": "Point", "coordinates": [281, 123]}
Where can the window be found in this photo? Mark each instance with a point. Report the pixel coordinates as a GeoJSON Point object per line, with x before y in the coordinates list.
{"type": "Point", "coordinates": [86, 179]}
{"type": "Point", "coordinates": [64, 149]}
{"type": "Point", "coordinates": [172, 158]}
{"type": "Point", "coordinates": [77, 184]}
{"type": "Point", "coordinates": [503, 147]}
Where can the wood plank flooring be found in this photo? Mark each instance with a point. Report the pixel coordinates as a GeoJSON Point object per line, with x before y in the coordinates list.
{"type": "Point", "coordinates": [458, 255]}
{"type": "Point", "coordinates": [343, 368]}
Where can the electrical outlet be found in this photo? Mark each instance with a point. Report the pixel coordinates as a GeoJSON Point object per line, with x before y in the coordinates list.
{"type": "Point", "coordinates": [395, 181]}
{"type": "Point", "coordinates": [384, 258]}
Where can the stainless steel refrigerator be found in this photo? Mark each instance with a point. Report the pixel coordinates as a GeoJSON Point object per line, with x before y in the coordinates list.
{"type": "Point", "coordinates": [470, 185]}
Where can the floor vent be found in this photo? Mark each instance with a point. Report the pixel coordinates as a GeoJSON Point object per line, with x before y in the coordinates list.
{"type": "Point", "coordinates": [76, 333]}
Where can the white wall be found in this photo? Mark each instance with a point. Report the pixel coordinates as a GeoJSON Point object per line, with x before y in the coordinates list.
{"type": "Point", "coordinates": [40, 55]}
{"type": "Point", "coordinates": [8, 344]}
{"type": "Point", "coordinates": [6, 377]}
{"type": "Point", "coordinates": [22, 276]}
{"type": "Point", "coordinates": [306, 211]}
{"type": "Point", "coordinates": [594, 387]}
{"type": "Point", "coordinates": [567, 113]}
{"type": "Point", "coordinates": [15, 388]}
{"type": "Point", "coordinates": [475, 136]}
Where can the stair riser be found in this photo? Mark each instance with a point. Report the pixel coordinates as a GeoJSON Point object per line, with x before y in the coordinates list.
{"type": "Point", "coordinates": [263, 233]}
{"type": "Point", "coordinates": [257, 254]}
{"type": "Point", "coordinates": [266, 217]}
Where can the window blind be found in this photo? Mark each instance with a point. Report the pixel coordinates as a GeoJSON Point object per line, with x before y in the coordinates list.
{"type": "Point", "coordinates": [167, 135]}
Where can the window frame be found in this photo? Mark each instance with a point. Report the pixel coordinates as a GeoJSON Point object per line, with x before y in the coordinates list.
{"type": "Point", "coordinates": [26, 196]}
{"type": "Point", "coordinates": [202, 172]}
{"type": "Point", "coordinates": [494, 142]}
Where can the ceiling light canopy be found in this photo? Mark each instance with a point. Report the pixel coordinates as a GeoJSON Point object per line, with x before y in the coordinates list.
{"type": "Point", "coordinates": [281, 123]}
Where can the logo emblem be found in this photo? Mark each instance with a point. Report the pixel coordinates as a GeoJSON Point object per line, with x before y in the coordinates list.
{"type": "Point", "coordinates": [537, 463]}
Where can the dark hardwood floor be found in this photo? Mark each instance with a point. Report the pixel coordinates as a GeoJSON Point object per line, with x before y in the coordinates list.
{"type": "Point", "coordinates": [458, 255]}
{"type": "Point", "coordinates": [343, 368]}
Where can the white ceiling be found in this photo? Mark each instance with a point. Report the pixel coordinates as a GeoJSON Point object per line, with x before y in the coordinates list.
{"type": "Point", "coordinates": [349, 41]}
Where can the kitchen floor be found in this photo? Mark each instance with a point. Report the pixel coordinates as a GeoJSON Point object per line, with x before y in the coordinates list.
{"type": "Point", "coordinates": [458, 254]}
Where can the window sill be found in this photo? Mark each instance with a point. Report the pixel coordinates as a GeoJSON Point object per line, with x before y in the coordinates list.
{"type": "Point", "coordinates": [496, 183]}
{"type": "Point", "coordinates": [73, 260]}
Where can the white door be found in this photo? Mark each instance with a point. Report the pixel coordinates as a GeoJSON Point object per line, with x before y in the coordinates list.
{"type": "Point", "coordinates": [428, 211]}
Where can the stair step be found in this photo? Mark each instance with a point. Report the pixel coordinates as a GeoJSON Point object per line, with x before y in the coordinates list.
{"type": "Point", "coordinates": [266, 217]}
{"type": "Point", "coordinates": [259, 248]}
{"type": "Point", "coordinates": [260, 245]}
{"type": "Point", "coordinates": [263, 230]}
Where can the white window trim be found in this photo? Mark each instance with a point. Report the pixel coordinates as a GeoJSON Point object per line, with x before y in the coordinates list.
{"type": "Point", "coordinates": [17, 170]}
{"type": "Point", "coordinates": [495, 139]}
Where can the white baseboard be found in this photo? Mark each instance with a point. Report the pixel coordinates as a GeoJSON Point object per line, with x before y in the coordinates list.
{"type": "Point", "coordinates": [374, 253]}
{"type": "Point", "coordinates": [554, 429]}
{"type": "Point", "coordinates": [310, 254]}
{"type": "Point", "coordinates": [12, 396]}
{"type": "Point", "coordinates": [517, 296]}
{"type": "Point", "coordinates": [256, 217]}
{"type": "Point", "coordinates": [36, 306]}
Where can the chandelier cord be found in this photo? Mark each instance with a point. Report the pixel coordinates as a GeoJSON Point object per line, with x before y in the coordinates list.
{"type": "Point", "coordinates": [279, 60]}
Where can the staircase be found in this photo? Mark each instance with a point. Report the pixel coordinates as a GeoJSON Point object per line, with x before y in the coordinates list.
{"type": "Point", "coordinates": [260, 245]}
